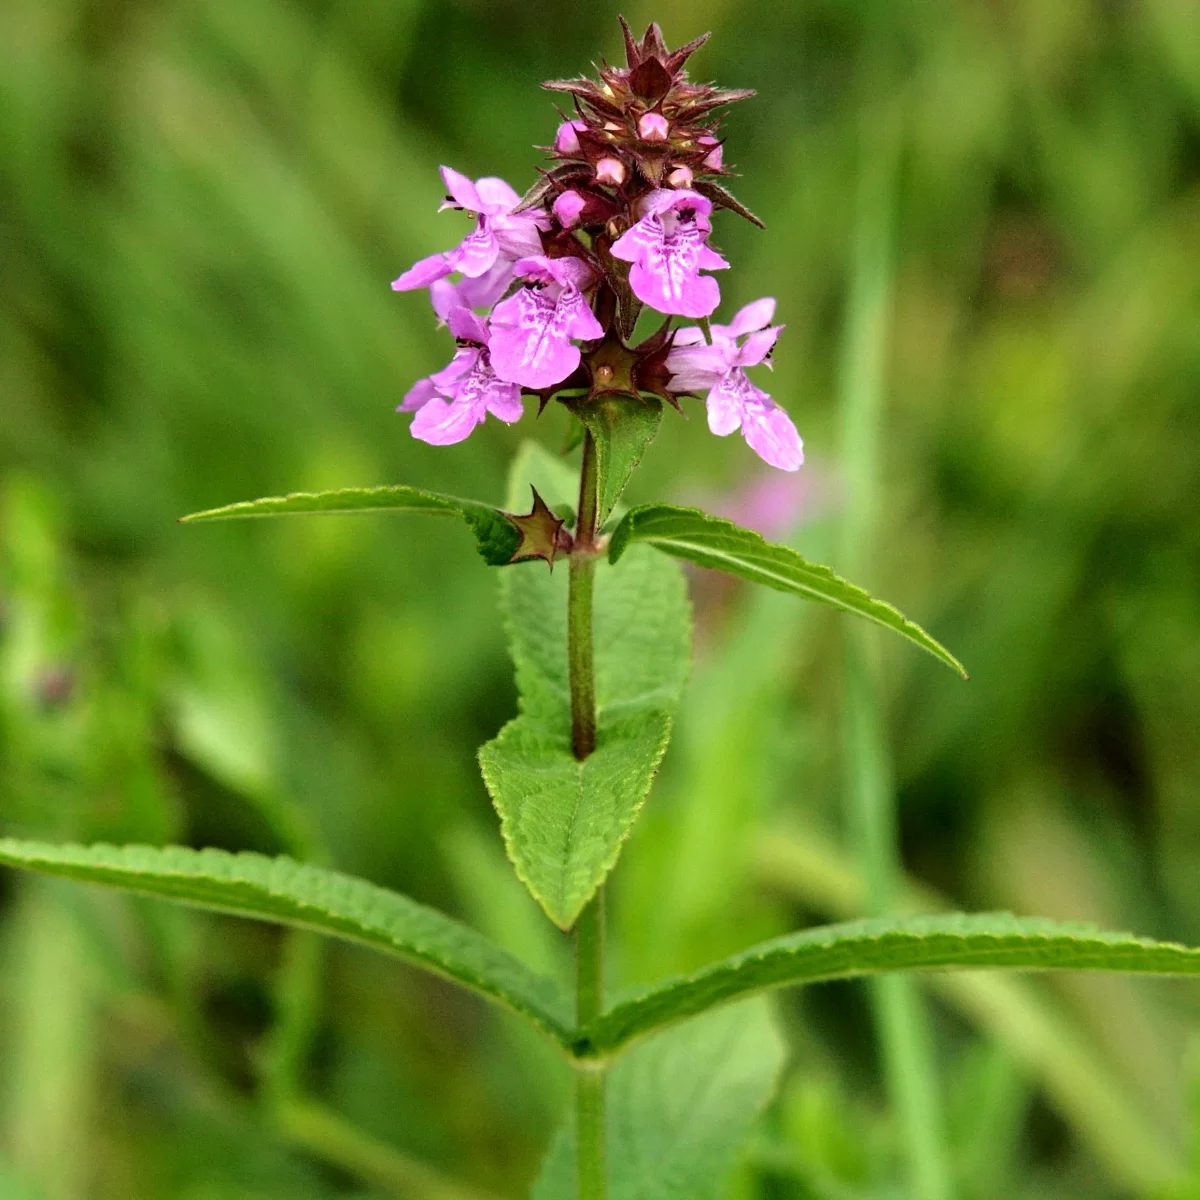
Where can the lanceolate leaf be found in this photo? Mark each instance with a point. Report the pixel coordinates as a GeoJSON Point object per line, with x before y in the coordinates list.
{"type": "Point", "coordinates": [495, 535]}
{"type": "Point", "coordinates": [564, 821]}
{"type": "Point", "coordinates": [679, 1109]}
{"type": "Point", "coordinates": [279, 889]}
{"type": "Point", "coordinates": [924, 943]}
{"type": "Point", "coordinates": [714, 542]}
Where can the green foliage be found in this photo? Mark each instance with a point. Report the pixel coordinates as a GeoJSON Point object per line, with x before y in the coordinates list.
{"type": "Point", "coordinates": [495, 535]}
{"type": "Point", "coordinates": [924, 943]}
{"type": "Point", "coordinates": [714, 542]}
{"type": "Point", "coordinates": [563, 820]}
{"type": "Point", "coordinates": [679, 1109]}
{"type": "Point", "coordinates": [623, 427]}
{"type": "Point", "coordinates": [278, 889]}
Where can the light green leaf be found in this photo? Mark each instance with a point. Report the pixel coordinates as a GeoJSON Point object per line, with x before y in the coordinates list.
{"type": "Point", "coordinates": [623, 427]}
{"type": "Point", "coordinates": [551, 474]}
{"type": "Point", "coordinates": [563, 820]}
{"type": "Point", "coordinates": [925, 943]}
{"type": "Point", "coordinates": [495, 535]}
{"type": "Point", "coordinates": [291, 893]}
{"type": "Point", "coordinates": [680, 1108]}
{"type": "Point", "coordinates": [714, 542]}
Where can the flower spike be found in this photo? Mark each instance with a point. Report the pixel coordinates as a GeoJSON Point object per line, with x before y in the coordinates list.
{"type": "Point", "coordinates": [619, 219]}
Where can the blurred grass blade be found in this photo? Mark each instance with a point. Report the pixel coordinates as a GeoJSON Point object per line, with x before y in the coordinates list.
{"type": "Point", "coordinates": [497, 538]}
{"type": "Point", "coordinates": [51, 1055]}
{"type": "Point", "coordinates": [714, 542]}
{"type": "Point", "coordinates": [1080, 1086]}
{"type": "Point", "coordinates": [861, 948]}
{"type": "Point", "coordinates": [291, 893]}
{"type": "Point", "coordinates": [901, 1020]}
{"type": "Point", "coordinates": [679, 1109]}
{"type": "Point", "coordinates": [326, 1134]}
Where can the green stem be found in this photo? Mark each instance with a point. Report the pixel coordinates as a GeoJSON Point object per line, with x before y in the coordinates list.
{"type": "Point", "coordinates": [580, 655]}
{"type": "Point", "coordinates": [899, 1012]}
{"type": "Point", "coordinates": [591, 1166]}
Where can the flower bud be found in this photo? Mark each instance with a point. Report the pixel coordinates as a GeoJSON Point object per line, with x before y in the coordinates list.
{"type": "Point", "coordinates": [713, 159]}
{"type": "Point", "coordinates": [653, 127]}
{"type": "Point", "coordinates": [566, 140]}
{"type": "Point", "coordinates": [610, 171]}
{"type": "Point", "coordinates": [567, 208]}
{"type": "Point", "coordinates": [681, 177]}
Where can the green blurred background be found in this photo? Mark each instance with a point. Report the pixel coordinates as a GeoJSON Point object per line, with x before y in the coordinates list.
{"type": "Point", "coordinates": [201, 206]}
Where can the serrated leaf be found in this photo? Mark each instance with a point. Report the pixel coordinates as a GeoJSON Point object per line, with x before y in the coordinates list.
{"type": "Point", "coordinates": [714, 542]}
{"type": "Point", "coordinates": [496, 537]}
{"type": "Point", "coordinates": [925, 943]}
{"type": "Point", "coordinates": [623, 427]}
{"type": "Point", "coordinates": [679, 1109]}
{"type": "Point", "coordinates": [292, 893]}
{"type": "Point", "coordinates": [563, 820]}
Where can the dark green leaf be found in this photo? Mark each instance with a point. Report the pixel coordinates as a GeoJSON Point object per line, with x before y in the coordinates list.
{"type": "Point", "coordinates": [679, 1109]}
{"type": "Point", "coordinates": [495, 536]}
{"type": "Point", "coordinates": [923, 943]}
{"type": "Point", "coordinates": [714, 542]}
{"type": "Point", "coordinates": [291, 893]}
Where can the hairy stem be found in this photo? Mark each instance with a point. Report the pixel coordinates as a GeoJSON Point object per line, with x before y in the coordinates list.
{"type": "Point", "coordinates": [581, 659]}
{"type": "Point", "coordinates": [591, 1158]}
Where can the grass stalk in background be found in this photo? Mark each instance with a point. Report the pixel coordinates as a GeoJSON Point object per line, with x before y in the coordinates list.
{"type": "Point", "coordinates": [52, 1063]}
{"type": "Point", "coordinates": [1078, 1083]}
{"type": "Point", "coordinates": [870, 797]}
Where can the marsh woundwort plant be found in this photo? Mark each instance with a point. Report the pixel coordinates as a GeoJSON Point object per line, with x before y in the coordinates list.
{"type": "Point", "coordinates": [543, 297]}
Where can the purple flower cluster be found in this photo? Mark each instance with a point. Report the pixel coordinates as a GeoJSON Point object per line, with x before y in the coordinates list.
{"type": "Point", "coordinates": [621, 220]}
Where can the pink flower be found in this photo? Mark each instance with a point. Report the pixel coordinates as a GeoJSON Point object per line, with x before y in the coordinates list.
{"type": "Point", "coordinates": [733, 400]}
{"type": "Point", "coordinates": [532, 331]}
{"type": "Point", "coordinates": [500, 236]}
{"type": "Point", "coordinates": [653, 127]}
{"type": "Point", "coordinates": [668, 250]}
{"type": "Point", "coordinates": [450, 403]}
{"type": "Point", "coordinates": [481, 292]}
{"type": "Point", "coordinates": [681, 177]}
{"type": "Point", "coordinates": [610, 171]}
{"type": "Point", "coordinates": [568, 207]}
{"type": "Point", "coordinates": [714, 159]}
{"type": "Point", "coordinates": [566, 139]}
